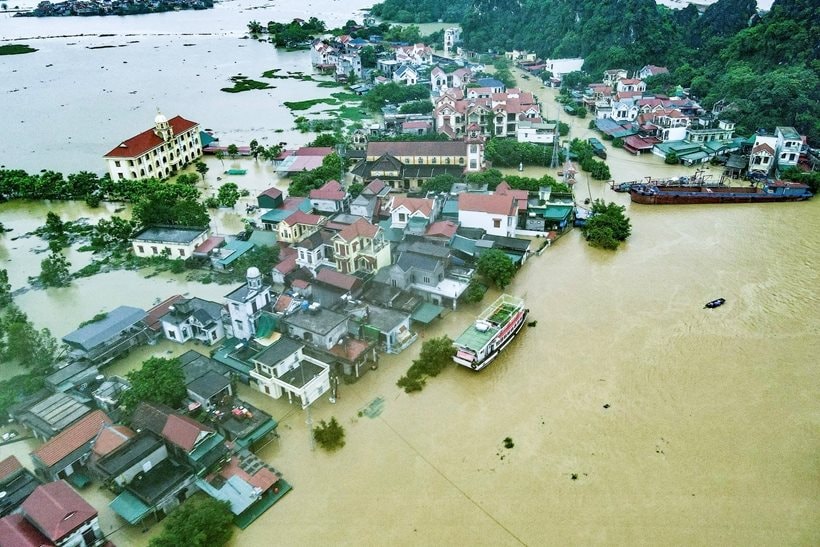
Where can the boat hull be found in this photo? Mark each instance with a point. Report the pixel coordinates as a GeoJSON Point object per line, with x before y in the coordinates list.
{"type": "Point", "coordinates": [500, 345]}
{"type": "Point", "coordinates": [697, 195]}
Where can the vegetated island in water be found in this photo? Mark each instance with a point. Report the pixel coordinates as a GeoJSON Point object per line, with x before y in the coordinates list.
{"type": "Point", "coordinates": [71, 8]}
{"type": "Point", "coordinates": [16, 49]}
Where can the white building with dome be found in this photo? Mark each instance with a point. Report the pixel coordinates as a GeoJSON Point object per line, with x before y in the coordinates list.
{"type": "Point", "coordinates": [159, 152]}
{"type": "Point", "coordinates": [247, 303]}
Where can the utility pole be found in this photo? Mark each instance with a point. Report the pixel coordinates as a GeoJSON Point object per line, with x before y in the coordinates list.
{"type": "Point", "coordinates": [555, 140]}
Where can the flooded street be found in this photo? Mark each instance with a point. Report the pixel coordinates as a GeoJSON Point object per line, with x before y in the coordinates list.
{"type": "Point", "coordinates": [638, 417]}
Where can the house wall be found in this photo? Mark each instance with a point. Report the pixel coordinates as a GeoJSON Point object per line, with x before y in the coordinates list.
{"type": "Point", "coordinates": [181, 251]}
{"type": "Point", "coordinates": [185, 331]}
{"type": "Point", "coordinates": [243, 315]}
{"type": "Point", "coordinates": [295, 233]}
{"type": "Point", "coordinates": [327, 205]}
{"type": "Point", "coordinates": [76, 539]}
{"type": "Point", "coordinates": [151, 459]}
{"type": "Point", "coordinates": [494, 224]}
{"type": "Point", "coordinates": [326, 341]}
{"type": "Point", "coordinates": [161, 161]}
{"type": "Point", "coordinates": [534, 135]}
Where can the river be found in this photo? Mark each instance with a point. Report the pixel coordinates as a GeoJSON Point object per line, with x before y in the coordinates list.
{"type": "Point", "coordinates": [638, 418]}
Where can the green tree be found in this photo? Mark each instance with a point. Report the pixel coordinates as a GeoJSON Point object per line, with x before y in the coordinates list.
{"type": "Point", "coordinates": [220, 155]}
{"type": "Point", "coordinates": [475, 292]}
{"type": "Point", "coordinates": [5, 289]}
{"type": "Point", "coordinates": [228, 194]}
{"type": "Point", "coordinates": [435, 355]}
{"type": "Point", "coordinates": [199, 522]}
{"type": "Point", "coordinates": [255, 28]}
{"type": "Point", "coordinates": [159, 380]}
{"type": "Point", "coordinates": [202, 168]}
{"type": "Point", "coordinates": [54, 271]}
{"type": "Point", "coordinates": [607, 226]}
{"type": "Point", "coordinates": [671, 158]}
{"type": "Point", "coordinates": [23, 344]}
{"type": "Point", "coordinates": [330, 435]}
{"type": "Point", "coordinates": [496, 267]}
{"type": "Point", "coordinates": [233, 151]}
{"type": "Point", "coordinates": [439, 183]}
{"type": "Point", "coordinates": [325, 139]}
{"type": "Point", "coordinates": [355, 189]}
{"type": "Point", "coordinates": [368, 57]}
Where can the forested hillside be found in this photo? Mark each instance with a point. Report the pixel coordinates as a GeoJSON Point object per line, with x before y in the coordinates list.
{"type": "Point", "coordinates": [766, 66]}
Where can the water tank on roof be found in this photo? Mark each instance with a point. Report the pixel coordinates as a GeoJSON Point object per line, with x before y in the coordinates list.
{"type": "Point", "coordinates": [305, 304]}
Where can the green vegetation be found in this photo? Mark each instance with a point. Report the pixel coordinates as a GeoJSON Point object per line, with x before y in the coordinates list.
{"type": "Point", "coordinates": [475, 292]}
{"type": "Point", "coordinates": [16, 49]}
{"type": "Point", "coordinates": [291, 34]}
{"type": "Point", "coordinates": [494, 266]}
{"type": "Point", "coordinates": [20, 342]}
{"type": "Point", "coordinates": [54, 271]}
{"type": "Point", "coordinates": [597, 169]}
{"type": "Point", "coordinates": [393, 93]}
{"type": "Point", "coordinates": [96, 318]}
{"type": "Point", "coordinates": [417, 107]}
{"type": "Point", "coordinates": [228, 194]}
{"type": "Point", "coordinates": [435, 354]}
{"type": "Point", "coordinates": [330, 435]}
{"type": "Point", "coordinates": [326, 139]}
{"type": "Point", "coordinates": [439, 183]}
{"type": "Point", "coordinates": [355, 189]}
{"type": "Point", "coordinates": [607, 226]}
{"type": "Point", "coordinates": [262, 257]}
{"type": "Point", "coordinates": [5, 289]}
{"type": "Point", "coordinates": [671, 158]}
{"type": "Point", "coordinates": [421, 11]}
{"type": "Point", "coordinates": [159, 380]}
{"type": "Point", "coordinates": [309, 103]}
{"type": "Point", "coordinates": [243, 83]}
{"type": "Point", "coordinates": [302, 183]}
{"type": "Point", "coordinates": [201, 521]}
{"type": "Point", "coordinates": [504, 152]}
{"type": "Point", "coordinates": [796, 175]}
{"type": "Point", "coordinates": [493, 177]}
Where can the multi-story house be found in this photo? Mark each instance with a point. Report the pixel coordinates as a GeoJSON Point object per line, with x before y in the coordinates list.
{"type": "Point", "coordinates": [630, 84]}
{"type": "Point", "coordinates": [168, 241]}
{"type": "Point", "coordinates": [360, 247]}
{"type": "Point", "coordinates": [614, 75]}
{"type": "Point", "coordinates": [417, 54]}
{"type": "Point", "coordinates": [349, 64]}
{"type": "Point", "coordinates": [193, 318]}
{"type": "Point", "coordinates": [298, 226]}
{"type": "Point", "coordinates": [282, 368]}
{"type": "Point", "coordinates": [789, 144]}
{"type": "Point", "coordinates": [497, 214]}
{"type": "Point", "coordinates": [158, 152]}
{"type": "Point", "coordinates": [315, 251]}
{"type": "Point", "coordinates": [407, 164]}
{"type": "Point", "coordinates": [452, 36]}
{"type": "Point", "coordinates": [406, 75]}
{"type": "Point", "coordinates": [404, 211]}
{"type": "Point", "coordinates": [763, 155]}
{"type": "Point", "coordinates": [330, 198]}
{"type": "Point", "coordinates": [323, 55]}
{"type": "Point", "coordinates": [495, 113]}
{"type": "Point", "coordinates": [247, 303]}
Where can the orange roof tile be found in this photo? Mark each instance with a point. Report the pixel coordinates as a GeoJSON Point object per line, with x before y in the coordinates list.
{"type": "Point", "coordinates": [422, 205]}
{"type": "Point", "coordinates": [496, 204]}
{"type": "Point", "coordinates": [360, 228]}
{"type": "Point", "coordinates": [69, 440]}
{"type": "Point", "coordinates": [148, 140]}
{"type": "Point", "coordinates": [9, 466]}
{"type": "Point", "coordinates": [110, 438]}
{"type": "Point", "coordinates": [56, 509]}
{"type": "Point", "coordinates": [183, 431]}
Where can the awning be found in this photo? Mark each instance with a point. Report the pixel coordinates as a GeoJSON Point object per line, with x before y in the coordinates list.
{"type": "Point", "coordinates": [426, 313]}
{"type": "Point", "coordinates": [78, 479]}
{"type": "Point", "coordinates": [258, 433]}
{"type": "Point", "coordinates": [129, 507]}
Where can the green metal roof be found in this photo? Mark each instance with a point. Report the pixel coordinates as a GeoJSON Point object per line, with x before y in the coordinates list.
{"type": "Point", "coordinates": [557, 212]}
{"type": "Point", "coordinates": [200, 451]}
{"type": "Point", "coordinates": [475, 339]}
{"type": "Point", "coordinates": [694, 156]}
{"type": "Point", "coordinates": [263, 429]}
{"type": "Point", "coordinates": [426, 312]}
{"type": "Point", "coordinates": [129, 507]}
{"type": "Point", "coordinates": [463, 244]}
{"type": "Point", "coordinates": [276, 215]}
{"type": "Point", "coordinates": [238, 247]}
{"type": "Point", "coordinates": [264, 503]}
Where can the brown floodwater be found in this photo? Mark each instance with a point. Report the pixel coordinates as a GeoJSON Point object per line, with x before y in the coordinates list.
{"type": "Point", "coordinates": [637, 416]}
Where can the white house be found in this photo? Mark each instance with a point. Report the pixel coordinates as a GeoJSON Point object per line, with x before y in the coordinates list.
{"type": "Point", "coordinates": [417, 54]}
{"type": "Point", "coordinates": [452, 36]}
{"type": "Point", "coordinates": [158, 152]}
{"type": "Point", "coordinates": [315, 251]}
{"type": "Point", "coordinates": [193, 318]}
{"type": "Point", "coordinates": [402, 209]}
{"type": "Point", "coordinates": [406, 75]}
{"type": "Point", "coordinates": [630, 84]}
{"type": "Point", "coordinates": [535, 132]}
{"type": "Point", "coordinates": [613, 75]}
{"type": "Point", "coordinates": [176, 243]}
{"type": "Point", "coordinates": [762, 157]}
{"type": "Point", "coordinates": [623, 111]}
{"type": "Point", "coordinates": [246, 304]}
{"type": "Point", "coordinates": [559, 67]}
{"type": "Point", "coordinates": [789, 144]}
{"type": "Point", "coordinates": [283, 368]}
{"type": "Point", "coordinates": [330, 198]}
{"type": "Point", "coordinates": [651, 70]}
{"type": "Point", "coordinates": [496, 214]}
{"type": "Point", "coordinates": [349, 64]}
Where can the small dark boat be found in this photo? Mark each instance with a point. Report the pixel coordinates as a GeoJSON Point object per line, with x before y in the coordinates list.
{"type": "Point", "coordinates": [715, 303]}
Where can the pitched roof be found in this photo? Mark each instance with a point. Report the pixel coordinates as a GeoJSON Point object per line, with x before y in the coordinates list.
{"type": "Point", "coordinates": [271, 193]}
{"type": "Point", "coordinates": [150, 416]}
{"type": "Point", "coordinates": [360, 228]}
{"type": "Point", "coordinates": [16, 531]}
{"type": "Point", "coordinates": [283, 303]}
{"type": "Point", "coordinates": [763, 148]}
{"type": "Point", "coordinates": [374, 187]}
{"type": "Point", "coordinates": [183, 431]}
{"type": "Point", "coordinates": [442, 228]}
{"type": "Point", "coordinates": [331, 190]}
{"type": "Point", "coordinates": [314, 151]}
{"type": "Point", "coordinates": [300, 217]}
{"type": "Point", "coordinates": [422, 205]}
{"type": "Point", "coordinates": [110, 438]}
{"type": "Point", "coordinates": [72, 438]}
{"type": "Point", "coordinates": [498, 204]}
{"type": "Point", "coordinates": [152, 319]}
{"type": "Point", "coordinates": [115, 321]}
{"type": "Point", "coordinates": [8, 466]}
{"type": "Point", "coordinates": [148, 140]}
{"type": "Point", "coordinates": [337, 279]}
{"type": "Point", "coordinates": [57, 510]}
{"type": "Point", "coordinates": [417, 148]}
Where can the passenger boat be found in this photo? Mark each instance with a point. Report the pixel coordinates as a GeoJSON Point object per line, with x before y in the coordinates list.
{"type": "Point", "coordinates": [682, 195]}
{"type": "Point", "coordinates": [493, 330]}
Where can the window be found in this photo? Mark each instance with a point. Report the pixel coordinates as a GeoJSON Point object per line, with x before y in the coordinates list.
{"type": "Point", "coordinates": [496, 223]}
{"type": "Point", "coordinates": [154, 250]}
{"type": "Point", "coordinates": [427, 279]}
{"type": "Point", "coordinates": [171, 334]}
{"type": "Point", "coordinates": [461, 161]}
{"type": "Point", "coordinates": [181, 252]}
{"type": "Point", "coordinates": [140, 248]}
{"type": "Point", "coordinates": [117, 163]}
{"type": "Point", "coordinates": [120, 176]}
{"type": "Point", "coordinates": [402, 217]}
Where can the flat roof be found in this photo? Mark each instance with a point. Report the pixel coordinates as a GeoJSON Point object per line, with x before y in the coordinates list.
{"type": "Point", "coordinates": [160, 481]}
{"type": "Point", "coordinates": [301, 374]}
{"type": "Point", "coordinates": [278, 351]}
{"type": "Point", "coordinates": [168, 234]}
{"type": "Point", "coordinates": [321, 322]}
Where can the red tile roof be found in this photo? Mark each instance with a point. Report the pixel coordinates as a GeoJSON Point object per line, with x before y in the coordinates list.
{"type": "Point", "coordinates": [522, 196]}
{"type": "Point", "coordinates": [300, 217]}
{"type": "Point", "coordinates": [282, 303]}
{"type": "Point", "coordinates": [422, 205]}
{"type": "Point", "coordinates": [763, 148]}
{"type": "Point", "coordinates": [287, 265]}
{"type": "Point", "coordinates": [292, 203]}
{"type": "Point", "coordinates": [375, 186]}
{"type": "Point", "coordinates": [57, 510]}
{"type": "Point", "coordinates": [314, 151]}
{"type": "Point", "coordinates": [110, 438]}
{"type": "Point", "coordinates": [9, 466]}
{"type": "Point", "coordinates": [442, 228]}
{"type": "Point", "coordinates": [629, 81]}
{"type": "Point", "coordinates": [209, 245]}
{"type": "Point", "coordinates": [300, 284]}
{"type": "Point", "coordinates": [271, 193]}
{"type": "Point", "coordinates": [148, 140]}
{"type": "Point", "coordinates": [495, 204]}
{"type": "Point", "coordinates": [263, 478]}
{"type": "Point", "coordinates": [337, 279]}
{"type": "Point", "coordinates": [351, 349]}
{"type": "Point", "coordinates": [16, 531]}
{"type": "Point", "coordinates": [331, 190]}
{"type": "Point", "coordinates": [69, 440]}
{"type": "Point", "coordinates": [360, 228]}
{"type": "Point", "coordinates": [183, 431]}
